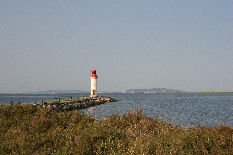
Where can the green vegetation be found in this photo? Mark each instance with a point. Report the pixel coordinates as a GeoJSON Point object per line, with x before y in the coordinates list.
{"type": "Point", "coordinates": [25, 129]}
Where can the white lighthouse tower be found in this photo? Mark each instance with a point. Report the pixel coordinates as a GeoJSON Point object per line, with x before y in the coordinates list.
{"type": "Point", "coordinates": [93, 77]}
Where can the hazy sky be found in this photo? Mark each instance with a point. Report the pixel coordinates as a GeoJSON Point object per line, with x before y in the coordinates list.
{"type": "Point", "coordinates": [53, 44]}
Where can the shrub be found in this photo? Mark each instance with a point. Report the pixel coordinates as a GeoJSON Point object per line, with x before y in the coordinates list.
{"type": "Point", "coordinates": [26, 130]}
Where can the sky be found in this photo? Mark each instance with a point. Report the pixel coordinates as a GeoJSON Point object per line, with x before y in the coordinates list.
{"type": "Point", "coordinates": [178, 44]}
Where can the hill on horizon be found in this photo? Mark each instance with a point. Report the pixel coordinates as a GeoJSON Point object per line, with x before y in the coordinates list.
{"type": "Point", "coordinates": [57, 91]}
{"type": "Point", "coordinates": [153, 90]}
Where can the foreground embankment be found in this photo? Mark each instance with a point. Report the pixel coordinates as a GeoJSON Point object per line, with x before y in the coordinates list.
{"type": "Point", "coordinates": [25, 129]}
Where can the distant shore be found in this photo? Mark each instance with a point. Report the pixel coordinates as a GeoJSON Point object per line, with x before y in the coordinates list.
{"type": "Point", "coordinates": [34, 93]}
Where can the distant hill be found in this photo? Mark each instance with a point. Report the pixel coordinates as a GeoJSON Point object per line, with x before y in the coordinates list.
{"type": "Point", "coordinates": [153, 90]}
{"type": "Point", "coordinates": [58, 91]}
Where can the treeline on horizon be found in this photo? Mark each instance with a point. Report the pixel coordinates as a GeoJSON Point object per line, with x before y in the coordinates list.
{"type": "Point", "coordinates": [26, 130]}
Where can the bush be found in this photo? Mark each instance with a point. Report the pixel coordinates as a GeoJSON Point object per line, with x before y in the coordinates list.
{"type": "Point", "coordinates": [26, 130]}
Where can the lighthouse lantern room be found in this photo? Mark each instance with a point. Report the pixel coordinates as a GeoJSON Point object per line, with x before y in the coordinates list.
{"type": "Point", "coordinates": [93, 77]}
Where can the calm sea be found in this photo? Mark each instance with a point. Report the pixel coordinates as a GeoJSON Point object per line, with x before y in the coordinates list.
{"type": "Point", "coordinates": [184, 109]}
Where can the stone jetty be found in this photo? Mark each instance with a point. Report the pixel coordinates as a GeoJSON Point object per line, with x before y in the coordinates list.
{"type": "Point", "coordinates": [73, 104]}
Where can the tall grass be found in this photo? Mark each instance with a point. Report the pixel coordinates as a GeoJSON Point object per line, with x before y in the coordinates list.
{"type": "Point", "coordinates": [26, 130]}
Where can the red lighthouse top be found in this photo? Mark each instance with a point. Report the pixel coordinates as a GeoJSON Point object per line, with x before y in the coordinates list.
{"type": "Point", "coordinates": [93, 73]}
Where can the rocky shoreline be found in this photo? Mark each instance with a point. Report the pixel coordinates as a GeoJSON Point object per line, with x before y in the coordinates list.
{"type": "Point", "coordinates": [73, 104]}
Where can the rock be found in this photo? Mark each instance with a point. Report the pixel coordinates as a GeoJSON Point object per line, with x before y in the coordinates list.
{"type": "Point", "coordinates": [77, 104]}
{"type": "Point", "coordinates": [49, 107]}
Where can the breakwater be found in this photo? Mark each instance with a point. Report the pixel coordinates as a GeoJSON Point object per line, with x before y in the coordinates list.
{"type": "Point", "coordinates": [73, 104]}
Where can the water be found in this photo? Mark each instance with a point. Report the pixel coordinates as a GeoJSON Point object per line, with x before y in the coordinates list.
{"type": "Point", "coordinates": [32, 98]}
{"type": "Point", "coordinates": [184, 109]}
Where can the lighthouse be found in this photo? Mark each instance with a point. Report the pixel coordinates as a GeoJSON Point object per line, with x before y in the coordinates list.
{"type": "Point", "coordinates": [93, 77]}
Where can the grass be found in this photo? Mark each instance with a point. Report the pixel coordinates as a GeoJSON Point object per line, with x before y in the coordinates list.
{"type": "Point", "coordinates": [26, 130]}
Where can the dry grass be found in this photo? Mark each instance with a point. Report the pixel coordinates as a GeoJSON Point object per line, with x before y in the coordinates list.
{"type": "Point", "coordinates": [25, 130]}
